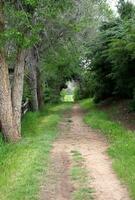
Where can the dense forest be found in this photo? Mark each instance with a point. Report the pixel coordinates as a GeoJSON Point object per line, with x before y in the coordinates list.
{"type": "Point", "coordinates": [111, 71]}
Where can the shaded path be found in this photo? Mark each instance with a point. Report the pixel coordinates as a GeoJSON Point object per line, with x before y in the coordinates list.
{"type": "Point", "coordinates": [75, 135]}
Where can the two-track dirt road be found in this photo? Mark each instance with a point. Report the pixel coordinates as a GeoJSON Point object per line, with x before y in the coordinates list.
{"type": "Point", "coordinates": [77, 136]}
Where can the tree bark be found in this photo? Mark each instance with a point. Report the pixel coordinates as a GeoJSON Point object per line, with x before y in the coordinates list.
{"type": "Point", "coordinates": [9, 131]}
{"type": "Point", "coordinates": [17, 89]}
{"type": "Point", "coordinates": [32, 63]}
{"type": "Point", "coordinates": [40, 89]}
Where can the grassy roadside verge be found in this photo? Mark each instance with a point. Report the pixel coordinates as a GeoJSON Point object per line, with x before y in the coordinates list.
{"type": "Point", "coordinates": [122, 143]}
{"type": "Point", "coordinates": [22, 165]}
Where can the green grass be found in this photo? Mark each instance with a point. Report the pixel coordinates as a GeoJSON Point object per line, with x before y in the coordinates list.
{"type": "Point", "coordinates": [122, 143]}
{"type": "Point", "coordinates": [69, 98]}
{"type": "Point", "coordinates": [22, 165]}
{"type": "Point", "coordinates": [79, 177]}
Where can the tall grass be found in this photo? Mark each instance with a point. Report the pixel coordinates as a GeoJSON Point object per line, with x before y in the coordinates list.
{"type": "Point", "coordinates": [23, 164]}
{"type": "Point", "coordinates": [122, 143]}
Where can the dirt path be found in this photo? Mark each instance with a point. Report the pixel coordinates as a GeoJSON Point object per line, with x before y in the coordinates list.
{"type": "Point", "coordinates": [75, 135]}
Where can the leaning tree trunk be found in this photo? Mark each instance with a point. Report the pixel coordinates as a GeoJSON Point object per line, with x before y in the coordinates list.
{"type": "Point", "coordinates": [17, 89]}
{"type": "Point", "coordinates": [40, 89]}
{"type": "Point", "coordinates": [32, 63]}
{"type": "Point", "coordinates": [9, 131]}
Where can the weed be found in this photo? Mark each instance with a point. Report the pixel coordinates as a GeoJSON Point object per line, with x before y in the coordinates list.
{"type": "Point", "coordinates": [79, 176]}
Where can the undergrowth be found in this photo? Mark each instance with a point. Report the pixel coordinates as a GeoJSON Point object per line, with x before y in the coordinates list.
{"type": "Point", "coordinates": [23, 164]}
{"type": "Point", "coordinates": [122, 142]}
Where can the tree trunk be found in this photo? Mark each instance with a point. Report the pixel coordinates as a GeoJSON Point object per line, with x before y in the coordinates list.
{"type": "Point", "coordinates": [32, 62]}
{"type": "Point", "coordinates": [40, 89]}
{"type": "Point", "coordinates": [17, 89]}
{"type": "Point", "coordinates": [9, 131]}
